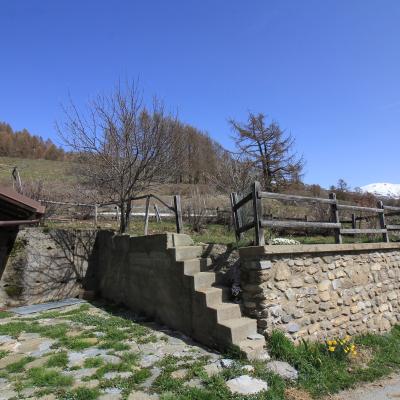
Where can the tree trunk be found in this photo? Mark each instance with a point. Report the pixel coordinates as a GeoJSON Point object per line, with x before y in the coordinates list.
{"type": "Point", "coordinates": [122, 221]}
{"type": "Point", "coordinates": [128, 213]}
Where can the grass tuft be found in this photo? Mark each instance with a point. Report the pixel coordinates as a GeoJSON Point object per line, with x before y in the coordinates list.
{"type": "Point", "coordinates": [48, 378]}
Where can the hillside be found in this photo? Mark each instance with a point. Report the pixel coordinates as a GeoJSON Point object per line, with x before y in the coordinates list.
{"type": "Point", "coordinates": [33, 170]}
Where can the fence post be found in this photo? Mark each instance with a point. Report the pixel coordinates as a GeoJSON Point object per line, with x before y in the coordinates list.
{"type": "Point", "coordinates": [158, 218]}
{"type": "Point", "coordinates": [178, 214]}
{"type": "Point", "coordinates": [335, 218]}
{"type": "Point", "coordinates": [146, 215]}
{"type": "Point", "coordinates": [353, 221]}
{"type": "Point", "coordinates": [237, 218]}
{"type": "Point", "coordinates": [258, 215]}
{"type": "Point", "coordinates": [382, 222]}
{"type": "Point", "coordinates": [95, 215]}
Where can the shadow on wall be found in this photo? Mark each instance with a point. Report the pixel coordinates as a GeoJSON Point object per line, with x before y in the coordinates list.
{"type": "Point", "coordinates": [7, 240]}
{"type": "Point", "coordinates": [45, 265]}
{"type": "Point", "coordinates": [225, 262]}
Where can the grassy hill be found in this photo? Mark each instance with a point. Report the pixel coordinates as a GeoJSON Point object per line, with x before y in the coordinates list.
{"type": "Point", "coordinates": [34, 170]}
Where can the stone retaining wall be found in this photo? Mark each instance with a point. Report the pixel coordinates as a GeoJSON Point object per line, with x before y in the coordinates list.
{"type": "Point", "coordinates": [39, 265]}
{"type": "Point", "coordinates": [319, 291]}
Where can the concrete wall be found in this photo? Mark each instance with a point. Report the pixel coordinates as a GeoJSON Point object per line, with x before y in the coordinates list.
{"type": "Point", "coordinates": [141, 273]}
{"type": "Point", "coordinates": [319, 291]}
{"type": "Point", "coordinates": [40, 265]}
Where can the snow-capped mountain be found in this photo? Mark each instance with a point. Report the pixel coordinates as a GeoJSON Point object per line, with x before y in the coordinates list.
{"type": "Point", "coordinates": [383, 189]}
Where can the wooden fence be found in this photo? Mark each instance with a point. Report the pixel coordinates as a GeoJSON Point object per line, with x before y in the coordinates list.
{"type": "Point", "coordinates": [175, 208]}
{"type": "Point", "coordinates": [259, 222]}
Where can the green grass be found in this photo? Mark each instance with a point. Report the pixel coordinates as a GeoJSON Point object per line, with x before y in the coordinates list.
{"type": "Point", "coordinates": [93, 362]}
{"type": "Point", "coordinates": [5, 314]}
{"type": "Point", "coordinates": [321, 373]}
{"type": "Point", "coordinates": [3, 353]}
{"type": "Point", "coordinates": [15, 328]}
{"type": "Point", "coordinates": [58, 360]}
{"type": "Point", "coordinates": [126, 384]}
{"type": "Point", "coordinates": [74, 343]}
{"type": "Point", "coordinates": [80, 393]}
{"type": "Point", "coordinates": [43, 377]}
{"type": "Point", "coordinates": [19, 366]}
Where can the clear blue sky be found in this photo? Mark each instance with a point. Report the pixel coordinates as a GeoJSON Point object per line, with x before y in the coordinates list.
{"type": "Point", "coordinates": [328, 71]}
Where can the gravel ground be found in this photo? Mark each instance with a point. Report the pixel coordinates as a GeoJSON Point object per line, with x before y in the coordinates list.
{"type": "Point", "coordinates": [388, 388]}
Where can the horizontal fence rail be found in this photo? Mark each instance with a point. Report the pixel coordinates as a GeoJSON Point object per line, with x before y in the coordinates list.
{"type": "Point", "coordinates": [175, 209]}
{"type": "Point", "coordinates": [259, 222]}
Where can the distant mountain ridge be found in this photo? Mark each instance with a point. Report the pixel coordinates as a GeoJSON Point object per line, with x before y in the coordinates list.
{"type": "Point", "coordinates": [391, 190]}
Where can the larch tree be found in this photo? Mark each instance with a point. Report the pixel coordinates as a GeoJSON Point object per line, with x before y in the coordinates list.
{"type": "Point", "coordinates": [270, 150]}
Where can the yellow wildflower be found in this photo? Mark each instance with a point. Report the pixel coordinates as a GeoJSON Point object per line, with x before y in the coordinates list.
{"type": "Point", "coordinates": [331, 348]}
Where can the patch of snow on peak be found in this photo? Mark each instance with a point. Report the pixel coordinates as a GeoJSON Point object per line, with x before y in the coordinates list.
{"type": "Point", "coordinates": [383, 189]}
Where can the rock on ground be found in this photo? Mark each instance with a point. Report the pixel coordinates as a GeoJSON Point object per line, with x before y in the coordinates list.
{"type": "Point", "coordinates": [283, 369]}
{"type": "Point", "coordinates": [245, 384]}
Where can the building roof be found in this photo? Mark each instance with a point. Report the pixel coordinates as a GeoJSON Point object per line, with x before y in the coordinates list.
{"type": "Point", "coordinates": [15, 206]}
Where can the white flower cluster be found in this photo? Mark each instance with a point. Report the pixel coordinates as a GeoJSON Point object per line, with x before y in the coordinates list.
{"type": "Point", "coordinates": [278, 241]}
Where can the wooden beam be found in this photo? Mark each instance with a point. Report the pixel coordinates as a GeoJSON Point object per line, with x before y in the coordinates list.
{"type": "Point", "coordinates": [391, 208]}
{"type": "Point", "coordinates": [246, 227]}
{"type": "Point", "coordinates": [385, 236]}
{"type": "Point", "coordinates": [146, 216]}
{"type": "Point", "coordinates": [393, 227]}
{"type": "Point", "coordinates": [243, 201]}
{"type": "Point", "coordinates": [362, 231]}
{"type": "Point", "coordinates": [279, 196]}
{"type": "Point", "coordinates": [237, 220]}
{"type": "Point", "coordinates": [178, 214]}
{"type": "Point", "coordinates": [335, 217]}
{"type": "Point", "coordinates": [157, 213]}
{"type": "Point", "coordinates": [257, 211]}
{"type": "Point", "coordinates": [359, 208]}
{"type": "Point", "coordinates": [299, 224]}
{"type": "Point", "coordinates": [19, 222]}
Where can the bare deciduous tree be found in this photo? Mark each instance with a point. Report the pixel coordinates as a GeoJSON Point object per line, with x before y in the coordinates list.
{"type": "Point", "coordinates": [233, 173]}
{"type": "Point", "coordinates": [122, 147]}
{"type": "Point", "coordinates": [269, 149]}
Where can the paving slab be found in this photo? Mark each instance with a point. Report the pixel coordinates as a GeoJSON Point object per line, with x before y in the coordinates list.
{"type": "Point", "coordinates": [35, 308]}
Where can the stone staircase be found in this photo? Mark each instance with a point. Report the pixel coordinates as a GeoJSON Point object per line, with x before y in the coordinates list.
{"type": "Point", "coordinates": [216, 322]}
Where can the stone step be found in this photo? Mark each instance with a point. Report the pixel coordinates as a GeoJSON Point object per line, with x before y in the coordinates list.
{"type": "Point", "coordinates": [254, 349]}
{"type": "Point", "coordinates": [183, 253]}
{"type": "Point", "coordinates": [195, 265]}
{"type": "Point", "coordinates": [226, 311]}
{"type": "Point", "coordinates": [214, 294]}
{"type": "Point", "coordinates": [179, 239]}
{"type": "Point", "coordinates": [204, 280]}
{"type": "Point", "coordinates": [236, 330]}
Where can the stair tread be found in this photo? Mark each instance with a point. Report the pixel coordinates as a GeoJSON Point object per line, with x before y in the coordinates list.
{"type": "Point", "coordinates": [211, 289]}
{"type": "Point", "coordinates": [223, 305]}
{"type": "Point", "coordinates": [252, 344]}
{"type": "Point", "coordinates": [235, 322]}
{"type": "Point", "coordinates": [196, 259]}
{"type": "Point", "coordinates": [189, 247]}
{"type": "Point", "coordinates": [205, 273]}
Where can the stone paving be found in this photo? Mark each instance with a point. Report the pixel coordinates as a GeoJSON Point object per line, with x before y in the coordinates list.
{"type": "Point", "coordinates": [90, 352]}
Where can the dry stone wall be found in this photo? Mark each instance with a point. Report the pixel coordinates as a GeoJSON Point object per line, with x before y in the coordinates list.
{"type": "Point", "coordinates": [315, 292]}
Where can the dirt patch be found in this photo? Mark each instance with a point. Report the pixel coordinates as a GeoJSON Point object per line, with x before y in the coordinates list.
{"type": "Point", "coordinates": [297, 394]}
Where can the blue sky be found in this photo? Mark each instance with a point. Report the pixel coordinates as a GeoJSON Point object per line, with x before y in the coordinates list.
{"type": "Point", "coordinates": [327, 71]}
